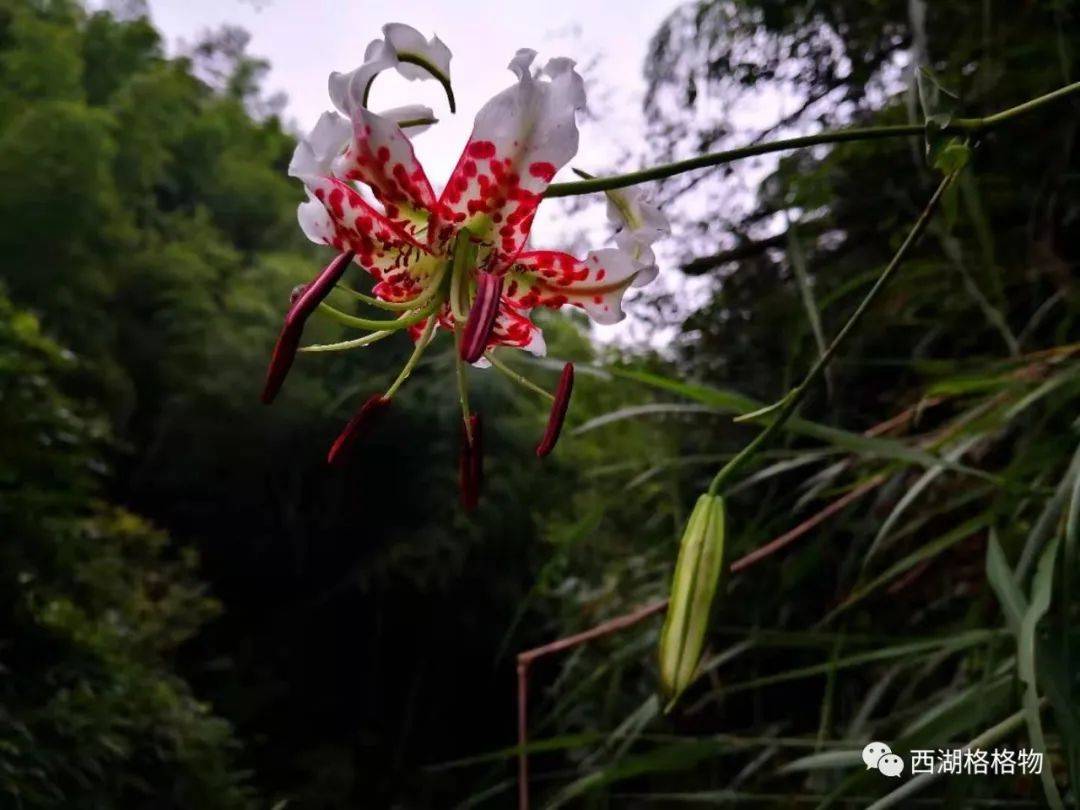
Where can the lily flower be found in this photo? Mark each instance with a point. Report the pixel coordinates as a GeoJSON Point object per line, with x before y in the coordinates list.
{"type": "Point", "coordinates": [457, 261]}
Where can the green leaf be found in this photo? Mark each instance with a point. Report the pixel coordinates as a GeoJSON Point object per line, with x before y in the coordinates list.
{"type": "Point", "coordinates": [906, 650]}
{"type": "Point", "coordinates": [1041, 589]}
{"type": "Point", "coordinates": [823, 761]}
{"type": "Point", "coordinates": [938, 104]}
{"type": "Point", "coordinates": [931, 549]}
{"type": "Point", "coordinates": [679, 756]}
{"type": "Point", "coordinates": [952, 156]}
{"type": "Point", "coordinates": [1000, 576]}
{"type": "Point", "coordinates": [726, 401]}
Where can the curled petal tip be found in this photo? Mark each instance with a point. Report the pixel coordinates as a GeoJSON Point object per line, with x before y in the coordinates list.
{"type": "Point", "coordinates": [482, 316]}
{"type": "Point", "coordinates": [359, 426]}
{"type": "Point", "coordinates": [558, 412]}
{"type": "Point", "coordinates": [471, 462]}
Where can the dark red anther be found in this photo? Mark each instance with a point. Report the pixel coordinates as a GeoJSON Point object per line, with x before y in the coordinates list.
{"type": "Point", "coordinates": [359, 426]}
{"type": "Point", "coordinates": [481, 316]}
{"type": "Point", "coordinates": [302, 304]}
{"type": "Point", "coordinates": [471, 463]}
{"type": "Point", "coordinates": [558, 411]}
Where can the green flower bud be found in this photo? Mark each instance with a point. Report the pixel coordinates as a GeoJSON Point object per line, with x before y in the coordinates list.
{"type": "Point", "coordinates": [692, 589]}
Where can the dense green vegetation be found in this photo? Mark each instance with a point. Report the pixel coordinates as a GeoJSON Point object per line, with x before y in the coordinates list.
{"type": "Point", "coordinates": [195, 612]}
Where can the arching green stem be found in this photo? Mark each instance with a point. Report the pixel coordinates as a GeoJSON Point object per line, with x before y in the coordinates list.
{"type": "Point", "coordinates": [345, 345]}
{"type": "Point", "coordinates": [418, 350]}
{"type": "Point", "coordinates": [958, 126]}
{"type": "Point", "coordinates": [461, 268]}
{"type": "Point", "coordinates": [520, 379]}
{"type": "Point", "coordinates": [463, 263]}
{"type": "Point", "coordinates": [792, 399]}
{"type": "Point", "coordinates": [431, 290]}
{"type": "Point", "coordinates": [403, 322]}
{"type": "Point", "coordinates": [462, 381]}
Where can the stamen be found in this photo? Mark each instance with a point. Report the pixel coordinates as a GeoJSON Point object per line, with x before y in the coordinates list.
{"type": "Point", "coordinates": [359, 426]}
{"type": "Point", "coordinates": [520, 379]}
{"type": "Point", "coordinates": [471, 462]}
{"type": "Point", "coordinates": [418, 350]}
{"type": "Point", "coordinates": [302, 305]}
{"type": "Point", "coordinates": [558, 411]}
{"type": "Point", "coordinates": [482, 316]}
{"type": "Point", "coordinates": [405, 320]}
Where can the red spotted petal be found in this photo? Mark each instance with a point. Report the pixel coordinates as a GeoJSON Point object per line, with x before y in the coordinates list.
{"type": "Point", "coordinates": [551, 279]}
{"type": "Point", "coordinates": [513, 328]}
{"type": "Point", "coordinates": [381, 156]}
{"type": "Point", "coordinates": [521, 137]}
{"type": "Point", "coordinates": [337, 215]}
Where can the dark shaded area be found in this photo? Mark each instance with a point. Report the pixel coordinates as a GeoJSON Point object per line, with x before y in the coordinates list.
{"type": "Point", "coordinates": [196, 612]}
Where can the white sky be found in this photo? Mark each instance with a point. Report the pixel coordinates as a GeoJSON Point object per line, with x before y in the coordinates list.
{"type": "Point", "coordinates": [305, 40]}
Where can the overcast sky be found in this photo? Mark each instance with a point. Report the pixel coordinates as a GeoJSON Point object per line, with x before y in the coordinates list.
{"type": "Point", "coordinates": [306, 39]}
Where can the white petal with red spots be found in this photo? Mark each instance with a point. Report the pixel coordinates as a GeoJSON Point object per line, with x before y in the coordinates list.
{"type": "Point", "coordinates": [513, 328]}
{"type": "Point", "coordinates": [337, 215]}
{"type": "Point", "coordinates": [551, 279]}
{"type": "Point", "coordinates": [382, 157]}
{"type": "Point", "coordinates": [520, 138]}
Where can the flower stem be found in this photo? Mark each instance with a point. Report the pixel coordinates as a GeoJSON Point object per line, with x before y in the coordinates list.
{"type": "Point", "coordinates": [464, 260]}
{"type": "Point", "coordinates": [519, 378]}
{"type": "Point", "coordinates": [344, 345]}
{"type": "Point", "coordinates": [792, 399]}
{"type": "Point", "coordinates": [967, 126]}
{"type": "Point", "coordinates": [399, 306]}
{"type": "Point", "coordinates": [418, 350]}
{"type": "Point", "coordinates": [462, 382]}
{"type": "Point", "coordinates": [404, 321]}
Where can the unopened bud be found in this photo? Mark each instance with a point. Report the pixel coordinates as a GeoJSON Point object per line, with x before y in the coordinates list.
{"type": "Point", "coordinates": [693, 587]}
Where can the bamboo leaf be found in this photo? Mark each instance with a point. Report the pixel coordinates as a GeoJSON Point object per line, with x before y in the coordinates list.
{"type": "Point", "coordinates": [1041, 590]}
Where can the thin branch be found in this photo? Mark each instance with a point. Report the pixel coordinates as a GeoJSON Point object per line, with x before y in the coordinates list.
{"type": "Point", "coordinates": [790, 537]}
{"type": "Point", "coordinates": [701, 264]}
{"type": "Point", "coordinates": [793, 399]}
{"type": "Point", "coordinates": [959, 126]}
